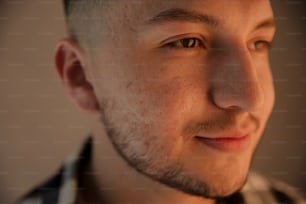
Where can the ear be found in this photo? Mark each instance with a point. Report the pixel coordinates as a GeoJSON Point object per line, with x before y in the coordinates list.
{"type": "Point", "coordinates": [71, 67]}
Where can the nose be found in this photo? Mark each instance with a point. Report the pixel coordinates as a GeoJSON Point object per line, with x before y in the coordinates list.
{"type": "Point", "coordinates": [235, 83]}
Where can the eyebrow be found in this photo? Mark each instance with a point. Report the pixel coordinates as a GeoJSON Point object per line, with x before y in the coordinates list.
{"type": "Point", "coordinates": [268, 23]}
{"type": "Point", "coordinates": [178, 14]}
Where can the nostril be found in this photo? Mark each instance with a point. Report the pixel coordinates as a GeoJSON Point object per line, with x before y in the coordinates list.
{"type": "Point", "coordinates": [224, 99]}
{"type": "Point", "coordinates": [234, 108]}
{"type": "Point", "coordinates": [247, 98]}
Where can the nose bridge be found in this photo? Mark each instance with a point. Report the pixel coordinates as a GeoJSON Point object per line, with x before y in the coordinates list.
{"type": "Point", "coordinates": [241, 68]}
{"type": "Point", "coordinates": [236, 84]}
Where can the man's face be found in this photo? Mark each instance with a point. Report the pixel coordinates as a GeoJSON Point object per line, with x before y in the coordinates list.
{"type": "Point", "coordinates": [186, 89]}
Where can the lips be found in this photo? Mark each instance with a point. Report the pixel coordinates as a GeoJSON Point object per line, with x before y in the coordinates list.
{"type": "Point", "coordinates": [228, 141]}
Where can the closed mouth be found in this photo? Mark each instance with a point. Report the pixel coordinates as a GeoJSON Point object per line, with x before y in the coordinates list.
{"type": "Point", "coordinates": [234, 144]}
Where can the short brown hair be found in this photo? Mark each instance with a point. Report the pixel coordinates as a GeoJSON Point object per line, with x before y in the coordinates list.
{"type": "Point", "coordinates": [83, 19]}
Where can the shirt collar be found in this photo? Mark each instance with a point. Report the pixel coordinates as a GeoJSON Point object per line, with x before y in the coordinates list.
{"type": "Point", "coordinates": [73, 166]}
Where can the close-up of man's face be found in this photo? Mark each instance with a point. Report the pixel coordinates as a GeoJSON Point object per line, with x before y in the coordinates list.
{"type": "Point", "coordinates": [185, 88]}
{"type": "Point", "coordinates": [153, 102]}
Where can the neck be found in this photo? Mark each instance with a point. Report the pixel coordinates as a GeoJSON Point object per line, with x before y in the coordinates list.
{"type": "Point", "coordinates": [109, 179]}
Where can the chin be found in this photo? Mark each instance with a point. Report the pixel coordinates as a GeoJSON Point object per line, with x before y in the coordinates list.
{"type": "Point", "coordinates": [209, 190]}
{"type": "Point", "coordinates": [226, 183]}
{"type": "Point", "coordinates": [228, 187]}
{"type": "Point", "coordinates": [213, 185]}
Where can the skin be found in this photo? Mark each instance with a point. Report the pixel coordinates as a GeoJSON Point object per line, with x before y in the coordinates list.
{"type": "Point", "coordinates": [151, 97]}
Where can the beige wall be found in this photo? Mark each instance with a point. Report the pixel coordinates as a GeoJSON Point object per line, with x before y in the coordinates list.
{"type": "Point", "coordinates": [39, 126]}
{"type": "Point", "coordinates": [283, 150]}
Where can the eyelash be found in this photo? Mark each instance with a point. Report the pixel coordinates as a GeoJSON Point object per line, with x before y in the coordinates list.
{"type": "Point", "coordinates": [193, 43]}
{"type": "Point", "coordinates": [186, 43]}
{"type": "Point", "coordinates": [265, 46]}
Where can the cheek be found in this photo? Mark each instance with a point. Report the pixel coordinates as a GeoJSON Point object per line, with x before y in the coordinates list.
{"type": "Point", "coordinates": [166, 89]}
{"type": "Point", "coordinates": [266, 81]}
{"type": "Point", "coordinates": [167, 101]}
{"type": "Point", "coordinates": [267, 86]}
{"type": "Point", "coordinates": [162, 109]}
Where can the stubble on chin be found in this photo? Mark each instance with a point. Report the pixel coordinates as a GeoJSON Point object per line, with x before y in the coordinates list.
{"type": "Point", "coordinates": [167, 172]}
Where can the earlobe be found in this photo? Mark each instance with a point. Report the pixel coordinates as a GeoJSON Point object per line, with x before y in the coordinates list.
{"type": "Point", "coordinates": [70, 66]}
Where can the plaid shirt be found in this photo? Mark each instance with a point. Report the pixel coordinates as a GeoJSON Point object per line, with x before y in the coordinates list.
{"type": "Point", "coordinates": [61, 189]}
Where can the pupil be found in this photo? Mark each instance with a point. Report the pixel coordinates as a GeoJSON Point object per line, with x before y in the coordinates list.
{"type": "Point", "coordinates": [259, 45]}
{"type": "Point", "coordinates": [188, 42]}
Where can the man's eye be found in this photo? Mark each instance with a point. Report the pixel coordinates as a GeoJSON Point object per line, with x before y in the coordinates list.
{"type": "Point", "coordinates": [260, 45]}
{"type": "Point", "coordinates": [187, 43]}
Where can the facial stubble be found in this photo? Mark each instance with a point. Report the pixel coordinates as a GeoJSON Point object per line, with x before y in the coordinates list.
{"type": "Point", "coordinates": [172, 173]}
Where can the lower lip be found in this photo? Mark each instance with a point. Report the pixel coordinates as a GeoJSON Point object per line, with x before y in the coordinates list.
{"type": "Point", "coordinates": [234, 145]}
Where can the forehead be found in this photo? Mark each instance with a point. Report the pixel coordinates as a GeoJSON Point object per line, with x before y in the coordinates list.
{"type": "Point", "coordinates": [231, 12]}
